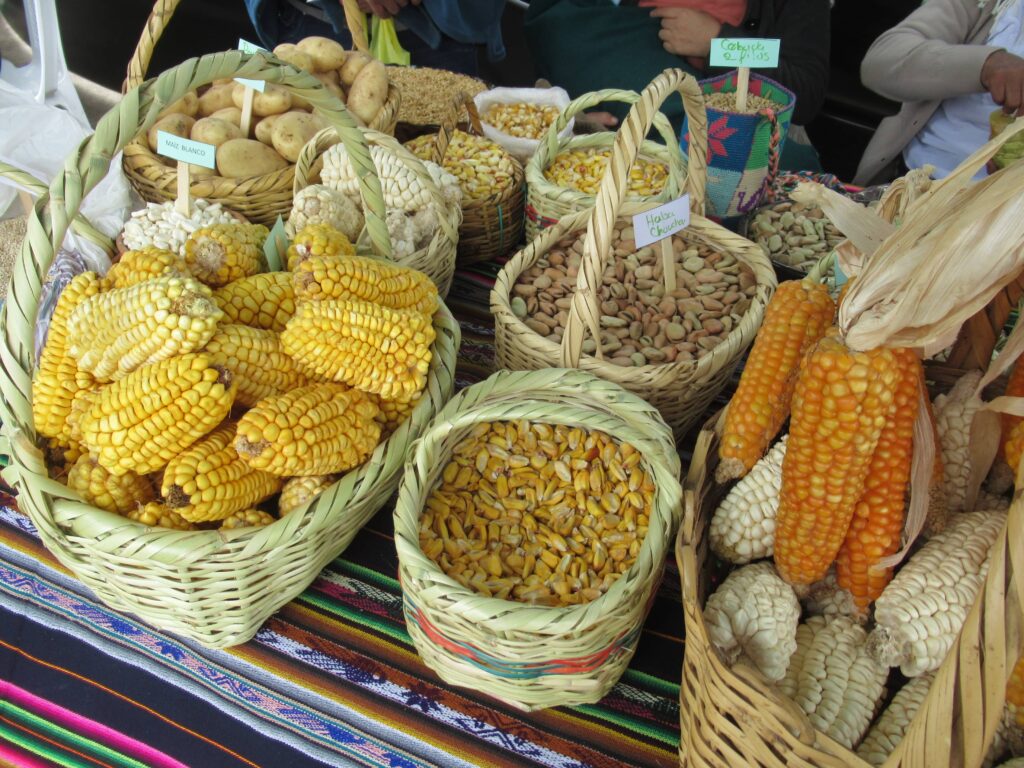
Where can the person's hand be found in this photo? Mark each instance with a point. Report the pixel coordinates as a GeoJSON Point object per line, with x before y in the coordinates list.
{"type": "Point", "coordinates": [686, 32]}
{"type": "Point", "coordinates": [1003, 77]}
{"type": "Point", "coordinates": [385, 9]}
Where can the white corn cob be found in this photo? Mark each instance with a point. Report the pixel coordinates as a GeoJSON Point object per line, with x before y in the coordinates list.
{"type": "Point", "coordinates": [754, 614]}
{"type": "Point", "coordinates": [743, 526]}
{"type": "Point", "coordinates": [953, 415]}
{"type": "Point", "coordinates": [923, 608]}
{"type": "Point", "coordinates": [826, 598]}
{"type": "Point", "coordinates": [888, 730]}
{"type": "Point", "coordinates": [319, 204]}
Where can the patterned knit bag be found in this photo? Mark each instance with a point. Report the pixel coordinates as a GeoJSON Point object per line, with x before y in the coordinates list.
{"type": "Point", "coordinates": [743, 149]}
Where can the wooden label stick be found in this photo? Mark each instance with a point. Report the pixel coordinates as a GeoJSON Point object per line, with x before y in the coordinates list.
{"type": "Point", "coordinates": [742, 87]}
{"type": "Point", "coordinates": [668, 264]}
{"type": "Point", "coordinates": [250, 94]}
{"type": "Point", "coordinates": [181, 205]}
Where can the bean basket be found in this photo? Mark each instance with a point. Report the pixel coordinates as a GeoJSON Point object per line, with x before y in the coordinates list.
{"type": "Point", "coordinates": [680, 390]}
{"type": "Point", "coordinates": [213, 587]}
{"type": "Point", "coordinates": [533, 657]}
{"type": "Point", "coordinates": [547, 202]}
{"type": "Point", "coordinates": [731, 716]}
{"type": "Point", "coordinates": [261, 199]}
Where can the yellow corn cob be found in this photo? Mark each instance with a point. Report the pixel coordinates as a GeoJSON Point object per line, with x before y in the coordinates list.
{"type": "Point", "coordinates": [841, 403]}
{"type": "Point", "coordinates": [246, 518]}
{"type": "Point", "coordinates": [796, 317]}
{"type": "Point", "coordinates": [314, 430]}
{"type": "Point", "coordinates": [114, 493]}
{"type": "Point", "coordinates": [318, 240]}
{"type": "Point", "coordinates": [137, 266]}
{"type": "Point", "coordinates": [367, 346]}
{"type": "Point", "coordinates": [257, 361]}
{"type": "Point", "coordinates": [156, 515]}
{"type": "Point", "coordinates": [298, 491]}
{"type": "Point", "coordinates": [208, 481]}
{"type": "Point", "coordinates": [877, 522]}
{"type": "Point", "coordinates": [58, 379]}
{"type": "Point", "coordinates": [61, 456]}
{"type": "Point", "coordinates": [218, 254]}
{"type": "Point", "coordinates": [142, 422]}
{"type": "Point", "coordinates": [114, 333]}
{"type": "Point", "coordinates": [265, 301]}
{"type": "Point", "coordinates": [357, 277]}
{"type": "Point", "coordinates": [393, 413]}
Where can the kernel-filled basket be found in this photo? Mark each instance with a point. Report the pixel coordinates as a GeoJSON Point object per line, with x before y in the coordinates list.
{"type": "Point", "coordinates": [533, 657]}
{"type": "Point", "coordinates": [213, 587]}
{"type": "Point", "coordinates": [681, 390]}
{"type": "Point", "coordinates": [731, 716]}
{"type": "Point", "coordinates": [261, 199]}
{"type": "Point", "coordinates": [437, 258]}
{"type": "Point", "coordinates": [547, 202]}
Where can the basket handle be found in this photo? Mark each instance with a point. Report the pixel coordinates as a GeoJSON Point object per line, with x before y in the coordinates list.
{"type": "Point", "coordinates": [450, 124]}
{"type": "Point", "coordinates": [585, 307]}
{"type": "Point", "coordinates": [356, 21]}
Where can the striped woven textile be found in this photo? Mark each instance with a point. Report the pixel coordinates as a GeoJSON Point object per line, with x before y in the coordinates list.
{"type": "Point", "coordinates": [332, 679]}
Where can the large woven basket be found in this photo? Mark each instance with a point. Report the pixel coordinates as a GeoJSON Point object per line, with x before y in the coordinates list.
{"type": "Point", "coordinates": [213, 587]}
{"type": "Point", "coordinates": [533, 657]}
{"type": "Point", "coordinates": [547, 202]}
{"type": "Point", "coordinates": [731, 716]}
{"type": "Point", "coordinates": [681, 390]}
{"type": "Point", "coordinates": [437, 259]}
{"type": "Point", "coordinates": [260, 199]}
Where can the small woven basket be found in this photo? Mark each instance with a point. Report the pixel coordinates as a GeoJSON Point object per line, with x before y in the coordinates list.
{"type": "Point", "coordinates": [533, 657]}
{"type": "Point", "coordinates": [214, 587]}
{"type": "Point", "coordinates": [547, 202]}
{"type": "Point", "coordinates": [437, 259]}
{"type": "Point", "coordinates": [491, 226]}
{"type": "Point", "coordinates": [729, 716]}
{"type": "Point", "coordinates": [681, 390]}
{"type": "Point", "coordinates": [260, 199]}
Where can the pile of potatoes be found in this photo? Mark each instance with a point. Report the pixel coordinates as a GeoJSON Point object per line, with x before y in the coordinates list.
{"type": "Point", "coordinates": [281, 123]}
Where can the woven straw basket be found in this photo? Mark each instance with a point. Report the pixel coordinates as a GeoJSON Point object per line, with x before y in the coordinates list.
{"type": "Point", "coordinates": [261, 199]}
{"type": "Point", "coordinates": [547, 202]}
{"type": "Point", "coordinates": [437, 259]}
{"type": "Point", "coordinates": [210, 586]}
{"type": "Point", "coordinates": [533, 657]}
{"type": "Point", "coordinates": [491, 226]}
{"type": "Point", "coordinates": [681, 390]}
{"type": "Point", "coordinates": [731, 716]}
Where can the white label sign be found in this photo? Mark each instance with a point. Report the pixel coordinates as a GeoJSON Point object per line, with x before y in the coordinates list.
{"type": "Point", "coordinates": [251, 48]}
{"type": "Point", "coordinates": [661, 222]}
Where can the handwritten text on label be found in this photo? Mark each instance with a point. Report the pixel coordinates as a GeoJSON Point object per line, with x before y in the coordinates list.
{"type": "Point", "coordinates": [737, 52]}
{"type": "Point", "coordinates": [658, 223]}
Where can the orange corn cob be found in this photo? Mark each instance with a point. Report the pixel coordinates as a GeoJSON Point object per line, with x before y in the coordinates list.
{"type": "Point", "coordinates": [878, 516]}
{"type": "Point", "coordinates": [1015, 693]}
{"type": "Point", "coordinates": [795, 319]}
{"type": "Point", "coordinates": [841, 403]}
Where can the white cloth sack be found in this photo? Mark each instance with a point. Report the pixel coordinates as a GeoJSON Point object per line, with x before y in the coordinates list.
{"type": "Point", "coordinates": [521, 149]}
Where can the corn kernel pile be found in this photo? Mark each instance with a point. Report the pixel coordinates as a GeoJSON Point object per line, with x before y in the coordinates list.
{"type": "Point", "coordinates": [538, 513]}
{"type": "Point", "coordinates": [481, 166]}
{"type": "Point", "coordinates": [525, 121]}
{"type": "Point", "coordinates": [583, 169]}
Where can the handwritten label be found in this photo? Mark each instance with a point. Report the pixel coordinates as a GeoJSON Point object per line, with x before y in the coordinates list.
{"type": "Point", "coordinates": [658, 223]}
{"type": "Point", "coordinates": [246, 47]}
{"type": "Point", "coordinates": [740, 52]}
{"type": "Point", "coordinates": [186, 150]}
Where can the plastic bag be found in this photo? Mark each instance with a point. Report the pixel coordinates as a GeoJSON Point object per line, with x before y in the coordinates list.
{"type": "Point", "coordinates": [521, 149]}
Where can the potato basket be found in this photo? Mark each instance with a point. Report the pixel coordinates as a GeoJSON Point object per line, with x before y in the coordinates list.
{"type": "Point", "coordinates": [213, 587]}
{"type": "Point", "coordinates": [682, 389]}
{"type": "Point", "coordinates": [731, 716]}
{"type": "Point", "coordinates": [547, 202]}
{"type": "Point", "coordinates": [534, 656]}
{"type": "Point", "coordinates": [261, 199]}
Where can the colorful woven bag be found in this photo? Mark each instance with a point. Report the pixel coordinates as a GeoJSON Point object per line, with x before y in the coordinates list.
{"type": "Point", "coordinates": [743, 149]}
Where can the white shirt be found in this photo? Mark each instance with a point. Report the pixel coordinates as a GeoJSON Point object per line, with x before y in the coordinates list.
{"type": "Point", "coordinates": [960, 125]}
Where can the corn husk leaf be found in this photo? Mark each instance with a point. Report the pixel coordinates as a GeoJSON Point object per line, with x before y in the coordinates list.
{"type": "Point", "coordinates": [862, 227]}
{"type": "Point", "coordinates": [904, 192]}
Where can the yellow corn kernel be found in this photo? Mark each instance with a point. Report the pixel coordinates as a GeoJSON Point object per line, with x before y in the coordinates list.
{"type": "Point", "coordinates": [313, 430]}
{"type": "Point", "coordinates": [318, 240]}
{"type": "Point", "coordinates": [378, 350]}
{"type": "Point", "coordinates": [143, 421]}
{"type": "Point", "coordinates": [221, 253]}
{"type": "Point", "coordinates": [319, 278]}
{"type": "Point", "coordinates": [120, 494]}
{"type": "Point", "coordinates": [299, 491]}
{"type": "Point", "coordinates": [247, 518]}
{"type": "Point", "coordinates": [156, 515]}
{"type": "Point", "coordinates": [265, 300]}
{"type": "Point", "coordinates": [61, 456]}
{"type": "Point", "coordinates": [481, 166]}
{"type": "Point", "coordinates": [393, 413]}
{"type": "Point", "coordinates": [583, 169]}
{"type": "Point", "coordinates": [521, 119]}
{"type": "Point", "coordinates": [257, 361]}
{"type": "Point", "coordinates": [144, 264]}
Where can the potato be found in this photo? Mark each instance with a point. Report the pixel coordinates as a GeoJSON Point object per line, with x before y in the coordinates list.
{"type": "Point", "coordinates": [353, 64]}
{"type": "Point", "coordinates": [273, 101]}
{"type": "Point", "coordinates": [264, 128]}
{"type": "Point", "coordinates": [246, 157]}
{"type": "Point", "coordinates": [327, 54]}
{"type": "Point", "coordinates": [328, 77]}
{"type": "Point", "coordinates": [179, 125]}
{"type": "Point", "coordinates": [224, 81]}
{"type": "Point", "coordinates": [285, 48]}
{"type": "Point", "coordinates": [369, 92]}
{"type": "Point", "coordinates": [218, 97]}
{"type": "Point", "coordinates": [213, 130]}
{"type": "Point", "coordinates": [231, 114]}
{"type": "Point", "coordinates": [291, 132]}
{"type": "Point", "coordinates": [186, 105]}
{"type": "Point", "coordinates": [299, 60]}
